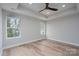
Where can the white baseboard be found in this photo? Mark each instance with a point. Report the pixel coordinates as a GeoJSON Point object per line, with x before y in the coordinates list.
{"type": "Point", "coordinates": [21, 43]}
{"type": "Point", "coordinates": [74, 44]}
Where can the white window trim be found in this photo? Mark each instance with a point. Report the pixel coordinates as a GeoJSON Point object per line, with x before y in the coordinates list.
{"type": "Point", "coordinates": [6, 30]}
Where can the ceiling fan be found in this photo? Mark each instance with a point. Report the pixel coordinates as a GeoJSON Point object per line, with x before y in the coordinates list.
{"type": "Point", "coordinates": [49, 8]}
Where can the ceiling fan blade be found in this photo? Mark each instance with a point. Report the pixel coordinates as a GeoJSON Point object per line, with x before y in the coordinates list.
{"type": "Point", "coordinates": [47, 5]}
{"type": "Point", "coordinates": [42, 10]}
{"type": "Point", "coordinates": [54, 9]}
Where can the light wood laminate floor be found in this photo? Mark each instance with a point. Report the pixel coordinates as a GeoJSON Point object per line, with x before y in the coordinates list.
{"type": "Point", "coordinates": [43, 48]}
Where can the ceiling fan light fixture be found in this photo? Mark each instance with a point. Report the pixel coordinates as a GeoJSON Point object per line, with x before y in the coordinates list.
{"type": "Point", "coordinates": [47, 13]}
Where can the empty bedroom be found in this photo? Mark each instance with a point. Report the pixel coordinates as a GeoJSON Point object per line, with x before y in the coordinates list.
{"type": "Point", "coordinates": [39, 29]}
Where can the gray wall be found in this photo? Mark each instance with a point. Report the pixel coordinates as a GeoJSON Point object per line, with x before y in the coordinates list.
{"type": "Point", "coordinates": [0, 31]}
{"type": "Point", "coordinates": [29, 27]}
{"type": "Point", "coordinates": [65, 29]}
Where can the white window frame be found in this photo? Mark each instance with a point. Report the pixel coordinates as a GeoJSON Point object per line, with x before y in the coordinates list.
{"type": "Point", "coordinates": [7, 28]}
{"type": "Point", "coordinates": [43, 28]}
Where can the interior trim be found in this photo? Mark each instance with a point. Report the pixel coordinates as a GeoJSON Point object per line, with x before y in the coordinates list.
{"type": "Point", "coordinates": [20, 44]}
{"type": "Point", "coordinates": [65, 43]}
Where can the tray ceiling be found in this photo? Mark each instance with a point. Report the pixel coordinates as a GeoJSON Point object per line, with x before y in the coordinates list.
{"type": "Point", "coordinates": [34, 9]}
{"type": "Point", "coordinates": [37, 7]}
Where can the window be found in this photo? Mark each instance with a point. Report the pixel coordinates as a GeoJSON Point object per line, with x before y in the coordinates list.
{"type": "Point", "coordinates": [42, 28]}
{"type": "Point", "coordinates": [13, 26]}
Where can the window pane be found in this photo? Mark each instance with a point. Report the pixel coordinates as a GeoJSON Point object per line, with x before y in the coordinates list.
{"type": "Point", "coordinates": [10, 32]}
{"type": "Point", "coordinates": [8, 22]}
{"type": "Point", "coordinates": [12, 26]}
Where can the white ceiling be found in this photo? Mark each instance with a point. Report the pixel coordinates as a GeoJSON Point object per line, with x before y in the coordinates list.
{"type": "Point", "coordinates": [39, 6]}
{"type": "Point", "coordinates": [35, 8]}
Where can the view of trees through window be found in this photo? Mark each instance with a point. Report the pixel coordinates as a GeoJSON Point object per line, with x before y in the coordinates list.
{"type": "Point", "coordinates": [12, 26]}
